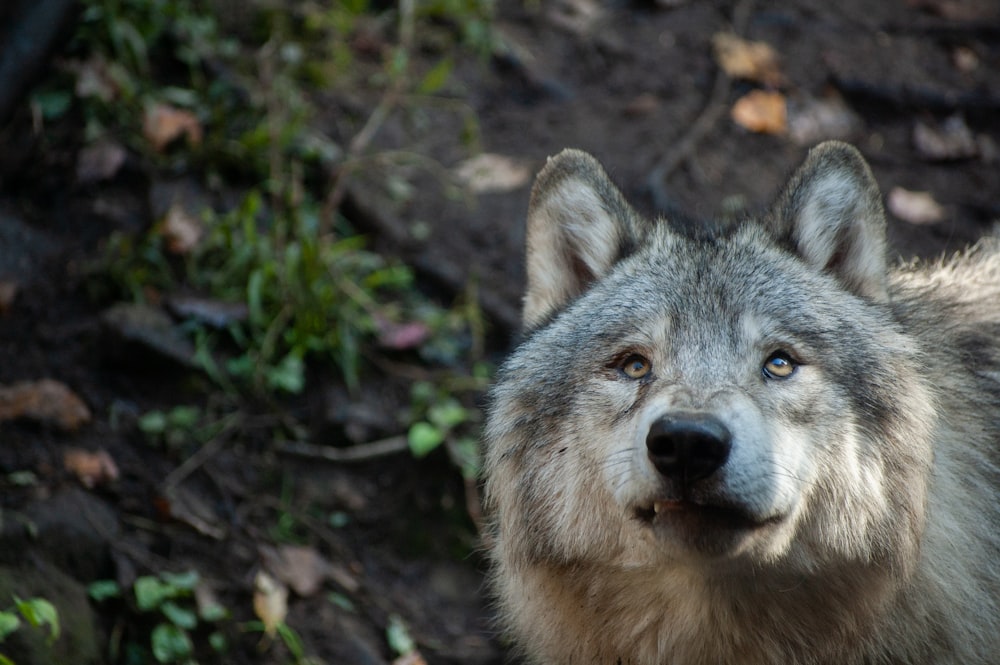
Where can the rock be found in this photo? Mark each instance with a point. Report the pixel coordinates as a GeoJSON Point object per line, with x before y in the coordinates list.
{"type": "Point", "coordinates": [70, 516]}
{"type": "Point", "coordinates": [79, 640]}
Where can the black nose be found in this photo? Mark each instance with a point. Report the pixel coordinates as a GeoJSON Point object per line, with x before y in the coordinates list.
{"type": "Point", "coordinates": [686, 447]}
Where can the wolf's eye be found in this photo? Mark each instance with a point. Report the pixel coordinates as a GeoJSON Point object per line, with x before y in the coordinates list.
{"type": "Point", "coordinates": [779, 365]}
{"type": "Point", "coordinates": [635, 366]}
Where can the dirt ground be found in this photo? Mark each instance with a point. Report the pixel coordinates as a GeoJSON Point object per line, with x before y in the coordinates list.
{"type": "Point", "coordinates": [915, 84]}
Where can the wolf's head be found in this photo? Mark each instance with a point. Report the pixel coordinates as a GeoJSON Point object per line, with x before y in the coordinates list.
{"type": "Point", "coordinates": [729, 398]}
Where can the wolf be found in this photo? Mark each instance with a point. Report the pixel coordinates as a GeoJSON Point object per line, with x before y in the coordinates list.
{"type": "Point", "coordinates": [751, 443]}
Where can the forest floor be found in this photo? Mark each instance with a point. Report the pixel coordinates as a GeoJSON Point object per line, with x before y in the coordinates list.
{"type": "Point", "coordinates": [380, 547]}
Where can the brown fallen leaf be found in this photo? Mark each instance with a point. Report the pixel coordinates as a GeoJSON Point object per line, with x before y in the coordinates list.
{"type": "Point", "coordinates": [162, 124]}
{"type": "Point", "coordinates": [99, 161]}
{"type": "Point", "coordinates": [8, 293]}
{"type": "Point", "coordinates": [642, 105]}
{"type": "Point", "coordinates": [579, 17]}
{"type": "Point", "coordinates": [812, 120]}
{"type": "Point", "coordinates": [914, 207]}
{"type": "Point", "coordinates": [964, 59]}
{"type": "Point", "coordinates": [184, 505]}
{"type": "Point", "coordinates": [762, 112]}
{"type": "Point", "coordinates": [300, 567]}
{"type": "Point", "coordinates": [402, 336]}
{"type": "Point", "coordinates": [752, 61]}
{"type": "Point", "coordinates": [94, 78]}
{"type": "Point", "coordinates": [950, 140]}
{"type": "Point", "coordinates": [91, 468]}
{"type": "Point", "coordinates": [490, 172]}
{"type": "Point", "coordinates": [270, 602]}
{"type": "Point", "coordinates": [46, 401]}
{"type": "Point", "coordinates": [181, 230]}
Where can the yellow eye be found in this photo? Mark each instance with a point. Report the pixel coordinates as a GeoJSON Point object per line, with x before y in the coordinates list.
{"type": "Point", "coordinates": [779, 365]}
{"type": "Point", "coordinates": [635, 366]}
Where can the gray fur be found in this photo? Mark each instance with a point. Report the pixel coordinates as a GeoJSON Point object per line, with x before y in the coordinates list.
{"type": "Point", "coordinates": [862, 486]}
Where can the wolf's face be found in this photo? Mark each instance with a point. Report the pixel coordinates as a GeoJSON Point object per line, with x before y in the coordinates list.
{"type": "Point", "coordinates": [726, 399]}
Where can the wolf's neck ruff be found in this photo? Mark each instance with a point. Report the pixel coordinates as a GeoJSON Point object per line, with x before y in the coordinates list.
{"type": "Point", "coordinates": [712, 476]}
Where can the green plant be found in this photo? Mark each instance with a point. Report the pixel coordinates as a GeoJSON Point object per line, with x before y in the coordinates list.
{"type": "Point", "coordinates": [289, 638]}
{"type": "Point", "coordinates": [439, 418]}
{"type": "Point", "coordinates": [169, 598]}
{"type": "Point", "coordinates": [38, 612]}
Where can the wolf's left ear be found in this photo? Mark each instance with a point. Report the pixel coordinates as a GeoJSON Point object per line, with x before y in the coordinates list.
{"type": "Point", "coordinates": [831, 213]}
{"type": "Point", "coordinates": [579, 226]}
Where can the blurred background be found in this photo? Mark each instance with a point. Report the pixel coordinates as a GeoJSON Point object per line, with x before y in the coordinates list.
{"type": "Point", "coordinates": [258, 262]}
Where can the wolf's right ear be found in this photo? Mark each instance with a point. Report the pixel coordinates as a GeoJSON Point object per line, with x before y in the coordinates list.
{"type": "Point", "coordinates": [579, 226]}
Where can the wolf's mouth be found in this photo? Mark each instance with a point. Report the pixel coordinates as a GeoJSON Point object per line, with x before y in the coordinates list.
{"type": "Point", "coordinates": [697, 515]}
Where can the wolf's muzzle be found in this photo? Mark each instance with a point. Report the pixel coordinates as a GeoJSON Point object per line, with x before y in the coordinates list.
{"type": "Point", "coordinates": [687, 447]}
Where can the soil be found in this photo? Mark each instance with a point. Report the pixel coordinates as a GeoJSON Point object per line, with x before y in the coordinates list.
{"type": "Point", "coordinates": [634, 83]}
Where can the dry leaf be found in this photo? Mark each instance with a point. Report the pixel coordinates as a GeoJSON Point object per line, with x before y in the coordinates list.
{"type": "Point", "coordinates": [46, 401]}
{"type": "Point", "coordinates": [914, 207]}
{"type": "Point", "coordinates": [761, 111]}
{"type": "Point", "coordinates": [163, 124]}
{"type": "Point", "coordinates": [490, 172]}
{"type": "Point", "coordinates": [90, 468]}
{"type": "Point", "coordinates": [8, 292]}
{"type": "Point", "coordinates": [811, 120]}
{"type": "Point", "coordinates": [184, 505]}
{"type": "Point", "coordinates": [742, 59]}
{"type": "Point", "coordinates": [579, 17]}
{"type": "Point", "coordinates": [270, 602]}
{"type": "Point", "coordinates": [94, 79]}
{"type": "Point", "coordinates": [99, 161]}
{"type": "Point", "coordinates": [643, 104]}
{"type": "Point", "coordinates": [402, 336]}
{"type": "Point", "coordinates": [412, 658]}
{"type": "Point", "coordinates": [300, 567]}
{"type": "Point", "coordinates": [964, 59]}
{"type": "Point", "coordinates": [951, 140]}
{"type": "Point", "coordinates": [207, 601]}
{"type": "Point", "coordinates": [181, 230]}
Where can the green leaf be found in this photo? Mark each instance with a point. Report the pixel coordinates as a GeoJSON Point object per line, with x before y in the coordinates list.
{"type": "Point", "coordinates": [436, 78]}
{"type": "Point", "coordinates": [213, 612]}
{"type": "Point", "coordinates": [150, 593]}
{"type": "Point", "coordinates": [423, 438]}
{"type": "Point", "coordinates": [288, 375]}
{"type": "Point", "coordinates": [218, 642]}
{"type": "Point", "coordinates": [9, 622]}
{"type": "Point", "coordinates": [292, 641]}
{"type": "Point", "coordinates": [4, 660]}
{"type": "Point", "coordinates": [104, 589]}
{"type": "Point", "coordinates": [52, 103]}
{"type": "Point", "coordinates": [447, 414]}
{"type": "Point", "coordinates": [179, 616]}
{"type": "Point", "coordinates": [39, 612]}
{"type": "Point", "coordinates": [170, 643]}
{"type": "Point", "coordinates": [153, 422]}
{"type": "Point", "coordinates": [184, 416]}
{"type": "Point", "coordinates": [187, 580]}
{"type": "Point", "coordinates": [465, 454]}
{"type": "Point", "coordinates": [341, 601]}
{"type": "Point", "coordinates": [398, 636]}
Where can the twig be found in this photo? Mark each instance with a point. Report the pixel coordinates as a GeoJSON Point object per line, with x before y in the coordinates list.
{"type": "Point", "coordinates": [390, 99]}
{"type": "Point", "coordinates": [359, 453]}
{"type": "Point", "coordinates": [202, 455]}
{"type": "Point", "coordinates": [713, 110]}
